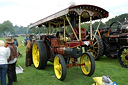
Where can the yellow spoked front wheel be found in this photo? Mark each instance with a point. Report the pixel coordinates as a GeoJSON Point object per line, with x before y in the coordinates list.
{"type": "Point", "coordinates": [123, 57]}
{"type": "Point", "coordinates": [39, 54]}
{"type": "Point", "coordinates": [87, 64]}
{"type": "Point", "coordinates": [60, 67]}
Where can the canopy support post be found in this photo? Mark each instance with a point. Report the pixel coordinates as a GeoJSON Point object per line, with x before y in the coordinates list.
{"type": "Point", "coordinates": [64, 29]}
{"type": "Point", "coordinates": [59, 27]}
{"type": "Point", "coordinates": [39, 31]}
{"type": "Point", "coordinates": [49, 28]}
{"type": "Point", "coordinates": [97, 29]}
{"type": "Point", "coordinates": [72, 28]}
{"type": "Point", "coordinates": [90, 27]}
{"type": "Point", "coordinates": [79, 28]}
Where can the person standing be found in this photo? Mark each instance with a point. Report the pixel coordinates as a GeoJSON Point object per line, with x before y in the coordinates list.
{"type": "Point", "coordinates": [28, 53]}
{"type": "Point", "coordinates": [16, 42]}
{"type": "Point", "coordinates": [12, 61]}
{"type": "Point", "coordinates": [4, 55]}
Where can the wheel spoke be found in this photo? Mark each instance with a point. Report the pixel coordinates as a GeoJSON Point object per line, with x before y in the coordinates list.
{"type": "Point", "coordinates": [58, 67]}
{"type": "Point", "coordinates": [89, 68]}
{"type": "Point", "coordinates": [87, 63]}
{"type": "Point", "coordinates": [95, 43]}
{"type": "Point", "coordinates": [95, 47]}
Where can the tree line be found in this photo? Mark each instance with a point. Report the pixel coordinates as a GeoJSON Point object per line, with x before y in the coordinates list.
{"type": "Point", "coordinates": [7, 26]}
{"type": "Point", "coordinates": [120, 18]}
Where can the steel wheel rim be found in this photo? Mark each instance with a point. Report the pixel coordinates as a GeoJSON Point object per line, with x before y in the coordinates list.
{"type": "Point", "coordinates": [57, 67]}
{"type": "Point", "coordinates": [86, 68]}
{"type": "Point", "coordinates": [35, 54]}
{"type": "Point", "coordinates": [95, 48]}
{"type": "Point", "coordinates": [123, 57]}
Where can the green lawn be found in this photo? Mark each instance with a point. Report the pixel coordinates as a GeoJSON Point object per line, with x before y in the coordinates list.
{"type": "Point", "coordinates": [105, 66]}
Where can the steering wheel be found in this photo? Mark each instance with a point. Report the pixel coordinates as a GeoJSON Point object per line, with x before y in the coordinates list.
{"type": "Point", "coordinates": [116, 22]}
{"type": "Point", "coordinates": [117, 27]}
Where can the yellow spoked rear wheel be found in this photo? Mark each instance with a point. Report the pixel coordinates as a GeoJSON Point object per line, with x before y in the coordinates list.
{"type": "Point", "coordinates": [96, 48]}
{"type": "Point", "coordinates": [123, 57]}
{"type": "Point", "coordinates": [88, 64]}
{"type": "Point", "coordinates": [60, 67]}
{"type": "Point", "coordinates": [35, 54]}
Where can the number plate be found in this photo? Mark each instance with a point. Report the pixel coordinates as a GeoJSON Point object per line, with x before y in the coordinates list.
{"type": "Point", "coordinates": [86, 43]}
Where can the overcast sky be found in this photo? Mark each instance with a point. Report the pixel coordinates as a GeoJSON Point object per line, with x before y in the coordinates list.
{"type": "Point", "coordinates": [24, 12]}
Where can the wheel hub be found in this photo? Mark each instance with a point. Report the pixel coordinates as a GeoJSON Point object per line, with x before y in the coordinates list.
{"type": "Point", "coordinates": [126, 57]}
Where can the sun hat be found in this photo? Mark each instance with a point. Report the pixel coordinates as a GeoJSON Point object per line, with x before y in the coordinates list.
{"type": "Point", "coordinates": [2, 43]}
{"type": "Point", "coordinates": [9, 40]}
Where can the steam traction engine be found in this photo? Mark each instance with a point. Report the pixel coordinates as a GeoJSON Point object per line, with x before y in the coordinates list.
{"type": "Point", "coordinates": [123, 40]}
{"type": "Point", "coordinates": [62, 48]}
{"type": "Point", "coordinates": [115, 40]}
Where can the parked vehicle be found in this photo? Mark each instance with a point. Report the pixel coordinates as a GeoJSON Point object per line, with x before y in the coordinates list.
{"type": "Point", "coordinates": [111, 36]}
{"type": "Point", "coordinates": [115, 41]}
{"type": "Point", "coordinates": [123, 52]}
{"type": "Point", "coordinates": [62, 47]}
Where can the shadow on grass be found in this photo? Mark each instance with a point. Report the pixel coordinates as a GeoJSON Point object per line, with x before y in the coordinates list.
{"type": "Point", "coordinates": [74, 75]}
{"type": "Point", "coordinates": [105, 59]}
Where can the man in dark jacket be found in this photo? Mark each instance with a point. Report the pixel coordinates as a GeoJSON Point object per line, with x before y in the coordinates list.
{"type": "Point", "coordinates": [12, 61]}
{"type": "Point", "coordinates": [28, 51]}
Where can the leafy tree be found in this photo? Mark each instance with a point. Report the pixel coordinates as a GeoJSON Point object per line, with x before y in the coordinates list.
{"type": "Point", "coordinates": [7, 26]}
{"type": "Point", "coordinates": [120, 18]}
{"type": "Point", "coordinates": [95, 25]}
{"type": "Point", "coordinates": [86, 26]}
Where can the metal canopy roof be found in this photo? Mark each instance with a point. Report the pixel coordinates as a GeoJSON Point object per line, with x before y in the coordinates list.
{"type": "Point", "coordinates": [85, 11]}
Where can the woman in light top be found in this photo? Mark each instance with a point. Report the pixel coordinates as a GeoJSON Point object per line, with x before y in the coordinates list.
{"type": "Point", "coordinates": [4, 55]}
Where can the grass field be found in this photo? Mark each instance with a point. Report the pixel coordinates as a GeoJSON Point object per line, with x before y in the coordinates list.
{"type": "Point", "coordinates": [105, 66]}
